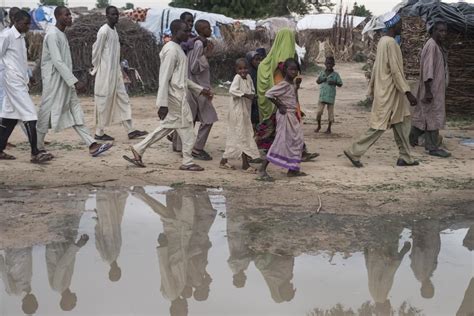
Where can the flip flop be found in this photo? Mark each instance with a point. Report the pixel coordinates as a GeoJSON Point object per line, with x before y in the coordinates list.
{"type": "Point", "coordinates": [309, 156]}
{"type": "Point", "coordinates": [5, 156]}
{"type": "Point", "coordinates": [137, 163]}
{"type": "Point", "coordinates": [103, 148]}
{"type": "Point", "coordinates": [356, 163]}
{"type": "Point", "coordinates": [227, 166]}
{"type": "Point", "coordinates": [137, 134]}
{"type": "Point", "coordinates": [40, 158]}
{"type": "Point", "coordinates": [298, 174]}
{"type": "Point", "coordinates": [192, 167]}
{"type": "Point", "coordinates": [265, 178]}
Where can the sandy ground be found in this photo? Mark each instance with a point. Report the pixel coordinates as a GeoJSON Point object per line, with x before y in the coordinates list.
{"type": "Point", "coordinates": [437, 184]}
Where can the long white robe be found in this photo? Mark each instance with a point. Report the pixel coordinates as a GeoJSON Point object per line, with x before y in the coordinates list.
{"type": "Point", "coordinates": [60, 107]}
{"type": "Point", "coordinates": [60, 260]}
{"type": "Point", "coordinates": [108, 232]}
{"type": "Point", "coordinates": [239, 124]}
{"type": "Point", "coordinates": [2, 73]}
{"type": "Point", "coordinates": [16, 270]}
{"type": "Point", "coordinates": [173, 87]}
{"type": "Point", "coordinates": [17, 103]}
{"type": "Point", "coordinates": [112, 104]}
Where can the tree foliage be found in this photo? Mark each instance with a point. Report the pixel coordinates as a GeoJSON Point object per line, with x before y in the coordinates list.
{"type": "Point", "coordinates": [102, 4]}
{"type": "Point", "coordinates": [361, 10]}
{"type": "Point", "coordinates": [129, 6]}
{"type": "Point", "coordinates": [253, 8]}
{"type": "Point", "coordinates": [53, 2]}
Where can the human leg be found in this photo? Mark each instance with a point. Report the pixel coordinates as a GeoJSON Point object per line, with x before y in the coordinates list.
{"type": "Point", "coordinates": [319, 115]}
{"type": "Point", "coordinates": [330, 117]}
{"type": "Point", "coordinates": [401, 133]}
{"type": "Point", "coordinates": [415, 134]}
{"type": "Point", "coordinates": [188, 139]}
{"type": "Point", "coordinates": [151, 138]}
{"type": "Point", "coordinates": [30, 127]}
{"type": "Point", "coordinates": [432, 145]}
{"type": "Point", "coordinates": [6, 128]}
{"type": "Point", "coordinates": [365, 141]}
{"type": "Point", "coordinates": [177, 145]}
{"type": "Point", "coordinates": [203, 135]}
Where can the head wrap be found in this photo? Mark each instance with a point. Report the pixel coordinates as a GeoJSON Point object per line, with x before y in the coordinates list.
{"type": "Point", "coordinates": [390, 19]}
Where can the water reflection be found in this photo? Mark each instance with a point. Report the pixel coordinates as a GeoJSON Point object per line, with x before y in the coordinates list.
{"type": "Point", "coordinates": [373, 271]}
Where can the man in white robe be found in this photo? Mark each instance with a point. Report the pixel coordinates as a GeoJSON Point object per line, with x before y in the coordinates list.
{"type": "Point", "coordinates": [174, 109]}
{"type": "Point", "coordinates": [17, 103]}
{"type": "Point", "coordinates": [110, 207]}
{"type": "Point", "coordinates": [112, 104]}
{"type": "Point", "coordinates": [60, 107]}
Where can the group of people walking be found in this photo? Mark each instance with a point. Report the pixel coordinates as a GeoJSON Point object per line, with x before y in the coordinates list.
{"type": "Point", "coordinates": [264, 114]}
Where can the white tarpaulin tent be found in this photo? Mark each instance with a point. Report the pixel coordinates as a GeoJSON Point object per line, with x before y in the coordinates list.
{"type": "Point", "coordinates": [323, 21]}
{"type": "Point", "coordinates": [159, 19]}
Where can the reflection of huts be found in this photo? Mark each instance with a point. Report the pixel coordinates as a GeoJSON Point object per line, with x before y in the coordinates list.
{"type": "Point", "coordinates": [418, 17]}
{"type": "Point", "coordinates": [338, 35]}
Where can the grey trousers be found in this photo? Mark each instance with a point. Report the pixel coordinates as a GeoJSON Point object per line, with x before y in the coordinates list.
{"type": "Point", "coordinates": [401, 133]}
{"type": "Point", "coordinates": [432, 139]}
{"type": "Point", "coordinates": [201, 139]}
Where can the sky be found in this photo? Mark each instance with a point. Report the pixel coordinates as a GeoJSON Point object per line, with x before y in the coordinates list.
{"type": "Point", "coordinates": [376, 6]}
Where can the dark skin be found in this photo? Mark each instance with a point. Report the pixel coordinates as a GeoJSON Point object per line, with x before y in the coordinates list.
{"type": "Point", "coordinates": [393, 32]}
{"type": "Point", "coordinates": [204, 31]}
{"type": "Point", "coordinates": [182, 35]}
{"type": "Point", "coordinates": [329, 70]}
{"type": "Point", "coordinates": [242, 70]}
{"type": "Point", "coordinates": [12, 13]}
{"type": "Point", "coordinates": [112, 17]}
{"type": "Point", "coordinates": [439, 35]}
{"type": "Point", "coordinates": [290, 74]}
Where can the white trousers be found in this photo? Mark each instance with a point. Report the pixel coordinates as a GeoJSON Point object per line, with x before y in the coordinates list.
{"type": "Point", "coordinates": [127, 124]}
{"type": "Point", "coordinates": [187, 138]}
{"type": "Point", "coordinates": [81, 130]}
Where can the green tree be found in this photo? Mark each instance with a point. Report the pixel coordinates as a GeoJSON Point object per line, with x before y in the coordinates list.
{"type": "Point", "coordinates": [129, 6]}
{"type": "Point", "coordinates": [53, 2]}
{"type": "Point", "coordinates": [249, 8]}
{"type": "Point", "coordinates": [361, 10]}
{"type": "Point", "coordinates": [102, 4]}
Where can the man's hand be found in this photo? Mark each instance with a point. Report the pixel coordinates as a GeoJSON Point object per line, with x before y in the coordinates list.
{"type": "Point", "coordinates": [331, 82]}
{"type": "Point", "coordinates": [411, 98]}
{"type": "Point", "coordinates": [80, 86]}
{"type": "Point", "coordinates": [428, 97]}
{"type": "Point", "coordinates": [298, 81]}
{"type": "Point", "coordinates": [207, 93]}
{"type": "Point", "coordinates": [82, 241]}
{"type": "Point", "coordinates": [282, 110]}
{"type": "Point", "coordinates": [209, 48]}
{"type": "Point", "coordinates": [249, 96]}
{"type": "Point", "coordinates": [162, 112]}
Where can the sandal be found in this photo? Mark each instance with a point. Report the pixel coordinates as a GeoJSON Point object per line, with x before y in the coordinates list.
{"type": "Point", "coordinates": [227, 166]}
{"type": "Point", "coordinates": [136, 160]}
{"type": "Point", "coordinates": [296, 174]}
{"type": "Point", "coordinates": [250, 170]}
{"type": "Point", "coordinates": [356, 163]}
{"type": "Point", "coordinates": [47, 153]}
{"type": "Point", "coordinates": [265, 178]}
{"type": "Point", "coordinates": [41, 157]}
{"type": "Point", "coordinates": [5, 156]}
{"type": "Point", "coordinates": [102, 148]}
{"type": "Point", "coordinates": [104, 137]}
{"type": "Point", "coordinates": [191, 167]}
{"type": "Point", "coordinates": [202, 155]}
{"type": "Point", "coordinates": [137, 134]}
{"type": "Point", "coordinates": [309, 156]}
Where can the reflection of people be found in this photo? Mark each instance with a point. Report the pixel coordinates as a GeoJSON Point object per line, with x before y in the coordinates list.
{"type": "Point", "coordinates": [467, 305]}
{"type": "Point", "coordinates": [277, 271]}
{"type": "Point", "coordinates": [382, 263]}
{"type": "Point", "coordinates": [183, 245]}
{"type": "Point", "coordinates": [468, 241]}
{"type": "Point", "coordinates": [16, 270]}
{"type": "Point", "coordinates": [61, 255]}
{"type": "Point", "coordinates": [108, 235]}
{"type": "Point", "coordinates": [240, 255]}
{"type": "Point", "coordinates": [424, 254]}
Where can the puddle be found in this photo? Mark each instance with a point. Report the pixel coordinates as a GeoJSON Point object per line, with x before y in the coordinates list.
{"type": "Point", "coordinates": [163, 251]}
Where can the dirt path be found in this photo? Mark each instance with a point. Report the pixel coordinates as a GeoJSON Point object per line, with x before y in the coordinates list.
{"type": "Point", "coordinates": [377, 186]}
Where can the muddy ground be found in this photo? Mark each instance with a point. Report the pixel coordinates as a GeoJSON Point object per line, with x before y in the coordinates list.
{"type": "Point", "coordinates": [437, 186]}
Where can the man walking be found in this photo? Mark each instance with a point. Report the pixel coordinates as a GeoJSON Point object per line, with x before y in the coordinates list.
{"type": "Point", "coordinates": [389, 89]}
{"type": "Point", "coordinates": [429, 116]}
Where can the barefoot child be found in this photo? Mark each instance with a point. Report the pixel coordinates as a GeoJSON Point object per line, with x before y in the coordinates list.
{"type": "Point", "coordinates": [328, 80]}
{"type": "Point", "coordinates": [240, 141]}
{"type": "Point", "coordinates": [287, 148]}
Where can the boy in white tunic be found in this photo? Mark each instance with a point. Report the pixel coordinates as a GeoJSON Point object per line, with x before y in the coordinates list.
{"type": "Point", "coordinates": [112, 104]}
{"type": "Point", "coordinates": [240, 141]}
{"type": "Point", "coordinates": [17, 103]}
{"type": "Point", "coordinates": [60, 107]}
{"type": "Point", "coordinates": [174, 111]}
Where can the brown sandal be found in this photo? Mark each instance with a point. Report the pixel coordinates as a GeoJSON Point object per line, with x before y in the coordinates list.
{"type": "Point", "coordinates": [41, 157]}
{"type": "Point", "coordinates": [136, 160]}
{"type": "Point", "coordinates": [192, 167]}
{"type": "Point", "coordinates": [5, 156]}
